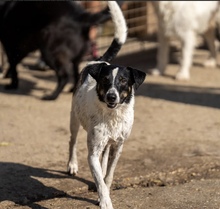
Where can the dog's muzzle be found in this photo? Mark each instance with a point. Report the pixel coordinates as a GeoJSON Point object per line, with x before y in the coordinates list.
{"type": "Point", "coordinates": [111, 100]}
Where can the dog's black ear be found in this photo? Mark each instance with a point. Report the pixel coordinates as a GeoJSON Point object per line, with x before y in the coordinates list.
{"type": "Point", "coordinates": [137, 76]}
{"type": "Point", "coordinates": [95, 69]}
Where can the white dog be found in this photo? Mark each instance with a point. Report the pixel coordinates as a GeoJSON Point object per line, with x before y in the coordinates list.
{"type": "Point", "coordinates": [103, 104]}
{"type": "Point", "coordinates": [184, 20]}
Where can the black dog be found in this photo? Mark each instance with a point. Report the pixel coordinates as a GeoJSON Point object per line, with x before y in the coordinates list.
{"type": "Point", "coordinates": [60, 30]}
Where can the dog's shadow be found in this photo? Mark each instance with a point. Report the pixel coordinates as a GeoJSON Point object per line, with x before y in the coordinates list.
{"type": "Point", "coordinates": [18, 184]}
{"type": "Point", "coordinates": [201, 96]}
{"type": "Point", "coordinates": [26, 86]}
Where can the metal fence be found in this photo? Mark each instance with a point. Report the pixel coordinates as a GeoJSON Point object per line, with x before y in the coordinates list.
{"type": "Point", "coordinates": [142, 27]}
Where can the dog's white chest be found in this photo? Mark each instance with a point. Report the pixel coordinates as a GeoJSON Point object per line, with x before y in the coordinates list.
{"type": "Point", "coordinates": [119, 125]}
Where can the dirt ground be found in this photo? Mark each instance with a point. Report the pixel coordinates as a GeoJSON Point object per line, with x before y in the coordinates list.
{"type": "Point", "coordinates": [171, 160]}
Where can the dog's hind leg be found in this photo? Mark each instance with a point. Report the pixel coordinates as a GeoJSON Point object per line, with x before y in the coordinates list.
{"type": "Point", "coordinates": [189, 41]}
{"type": "Point", "coordinates": [162, 53]}
{"type": "Point", "coordinates": [114, 155]}
{"type": "Point", "coordinates": [210, 40]}
{"type": "Point", "coordinates": [12, 72]}
{"type": "Point", "coordinates": [72, 167]}
{"type": "Point", "coordinates": [62, 69]}
{"type": "Point", "coordinates": [62, 81]}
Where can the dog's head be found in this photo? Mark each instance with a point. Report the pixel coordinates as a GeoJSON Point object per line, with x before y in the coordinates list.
{"type": "Point", "coordinates": [115, 84]}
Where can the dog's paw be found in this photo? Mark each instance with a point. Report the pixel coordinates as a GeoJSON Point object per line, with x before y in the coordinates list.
{"type": "Point", "coordinates": [48, 97]}
{"type": "Point", "coordinates": [5, 74]}
{"type": "Point", "coordinates": [211, 63]}
{"type": "Point", "coordinates": [2, 76]}
{"type": "Point", "coordinates": [106, 203]}
{"type": "Point", "coordinates": [182, 76]}
{"type": "Point", "coordinates": [155, 72]}
{"type": "Point", "coordinates": [72, 169]}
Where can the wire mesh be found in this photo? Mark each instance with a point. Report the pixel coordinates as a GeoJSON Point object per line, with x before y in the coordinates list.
{"type": "Point", "coordinates": [141, 22]}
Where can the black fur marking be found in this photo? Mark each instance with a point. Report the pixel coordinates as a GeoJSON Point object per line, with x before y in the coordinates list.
{"type": "Point", "coordinates": [111, 51]}
{"type": "Point", "coordinates": [95, 69]}
{"type": "Point", "coordinates": [138, 77]}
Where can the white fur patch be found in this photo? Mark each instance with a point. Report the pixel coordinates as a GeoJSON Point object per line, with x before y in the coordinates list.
{"type": "Point", "coordinates": [114, 73]}
{"type": "Point", "coordinates": [97, 62]}
{"type": "Point", "coordinates": [119, 22]}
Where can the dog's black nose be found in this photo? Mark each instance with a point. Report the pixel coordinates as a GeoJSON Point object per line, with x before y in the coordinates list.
{"type": "Point", "coordinates": [111, 97]}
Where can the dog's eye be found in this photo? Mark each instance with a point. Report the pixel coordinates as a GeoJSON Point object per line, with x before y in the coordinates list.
{"type": "Point", "coordinates": [106, 80]}
{"type": "Point", "coordinates": [123, 80]}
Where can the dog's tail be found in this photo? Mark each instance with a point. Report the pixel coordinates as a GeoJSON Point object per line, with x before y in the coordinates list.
{"type": "Point", "coordinates": [120, 32]}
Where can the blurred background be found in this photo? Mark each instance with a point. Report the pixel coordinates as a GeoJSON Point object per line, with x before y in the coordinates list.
{"type": "Point", "coordinates": [142, 28]}
{"type": "Point", "coordinates": [141, 22]}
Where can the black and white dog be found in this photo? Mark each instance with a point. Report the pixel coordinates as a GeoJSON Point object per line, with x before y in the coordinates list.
{"type": "Point", "coordinates": [104, 105]}
{"type": "Point", "coordinates": [59, 29]}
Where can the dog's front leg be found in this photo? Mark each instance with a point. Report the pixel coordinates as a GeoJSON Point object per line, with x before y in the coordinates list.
{"type": "Point", "coordinates": [210, 40]}
{"type": "Point", "coordinates": [72, 167]}
{"type": "Point", "coordinates": [96, 145]}
{"type": "Point", "coordinates": [113, 160]}
{"type": "Point", "coordinates": [62, 79]}
{"type": "Point", "coordinates": [105, 159]}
